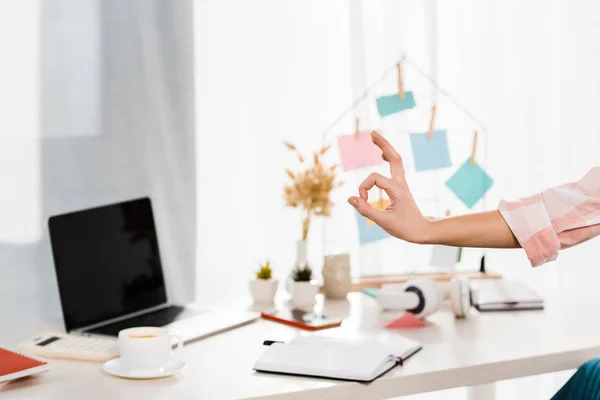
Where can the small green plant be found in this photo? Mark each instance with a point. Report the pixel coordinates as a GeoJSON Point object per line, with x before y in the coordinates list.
{"type": "Point", "coordinates": [302, 274]}
{"type": "Point", "coordinates": [265, 271]}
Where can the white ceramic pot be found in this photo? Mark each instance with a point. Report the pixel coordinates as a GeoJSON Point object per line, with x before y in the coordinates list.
{"type": "Point", "coordinates": [337, 279]}
{"type": "Point", "coordinates": [304, 293]}
{"type": "Point", "coordinates": [263, 291]}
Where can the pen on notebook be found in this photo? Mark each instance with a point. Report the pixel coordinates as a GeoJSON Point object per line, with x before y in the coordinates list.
{"type": "Point", "coordinates": [270, 342]}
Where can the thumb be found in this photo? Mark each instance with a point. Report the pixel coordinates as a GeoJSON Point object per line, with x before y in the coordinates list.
{"type": "Point", "coordinates": [365, 209]}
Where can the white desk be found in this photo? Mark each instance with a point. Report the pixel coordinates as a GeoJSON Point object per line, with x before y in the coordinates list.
{"type": "Point", "coordinates": [482, 349]}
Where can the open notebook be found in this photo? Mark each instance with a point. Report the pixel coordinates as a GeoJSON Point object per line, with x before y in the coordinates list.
{"type": "Point", "coordinates": [354, 360]}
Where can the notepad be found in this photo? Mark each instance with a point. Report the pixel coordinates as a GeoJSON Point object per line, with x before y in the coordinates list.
{"type": "Point", "coordinates": [14, 365]}
{"type": "Point", "coordinates": [345, 359]}
{"type": "Point", "coordinates": [501, 295]}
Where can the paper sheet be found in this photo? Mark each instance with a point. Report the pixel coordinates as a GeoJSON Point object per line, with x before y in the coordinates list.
{"type": "Point", "coordinates": [369, 234]}
{"type": "Point", "coordinates": [469, 183]}
{"type": "Point", "coordinates": [358, 152]}
{"type": "Point", "coordinates": [387, 105]}
{"type": "Point", "coordinates": [430, 153]}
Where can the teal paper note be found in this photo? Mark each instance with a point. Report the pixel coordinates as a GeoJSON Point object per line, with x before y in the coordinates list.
{"type": "Point", "coordinates": [469, 183]}
{"type": "Point", "coordinates": [371, 292]}
{"type": "Point", "coordinates": [430, 153]}
{"type": "Point", "coordinates": [392, 104]}
{"type": "Point", "coordinates": [369, 233]}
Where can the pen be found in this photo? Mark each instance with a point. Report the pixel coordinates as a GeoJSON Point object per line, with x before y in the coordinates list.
{"type": "Point", "coordinates": [270, 342]}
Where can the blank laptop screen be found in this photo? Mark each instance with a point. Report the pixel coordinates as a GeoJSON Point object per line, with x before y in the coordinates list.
{"type": "Point", "coordinates": [107, 262]}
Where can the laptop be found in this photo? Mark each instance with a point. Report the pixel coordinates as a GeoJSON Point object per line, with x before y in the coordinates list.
{"type": "Point", "coordinates": [110, 275]}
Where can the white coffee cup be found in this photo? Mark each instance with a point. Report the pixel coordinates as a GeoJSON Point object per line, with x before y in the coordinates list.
{"type": "Point", "coordinates": [147, 348]}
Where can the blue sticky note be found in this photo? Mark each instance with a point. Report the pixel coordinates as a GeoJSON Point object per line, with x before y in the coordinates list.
{"type": "Point", "coordinates": [369, 233]}
{"type": "Point", "coordinates": [392, 104]}
{"type": "Point", "coordinates": [430, 153]}
{"type": "Point", "coordinates": [469, 183]}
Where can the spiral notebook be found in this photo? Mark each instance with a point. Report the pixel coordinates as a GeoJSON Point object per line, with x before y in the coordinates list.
{"type": "Point", "coordinates": [336, 358]}
{"type": "Point", "coordinates": [14, 365]}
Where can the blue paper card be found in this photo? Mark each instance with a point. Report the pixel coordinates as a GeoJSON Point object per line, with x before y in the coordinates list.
{"type": "Point", "coordinates": [469, 183]}
{"type": "Point", "coordinates": [369, 233]}
{"type": "Point", "coordinates": [392, 104]}
{"type": "Point", "coordinates": [430, 153]}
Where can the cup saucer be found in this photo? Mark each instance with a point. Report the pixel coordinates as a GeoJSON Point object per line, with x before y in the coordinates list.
{"type": "Point", "coordinates": [116, 367]}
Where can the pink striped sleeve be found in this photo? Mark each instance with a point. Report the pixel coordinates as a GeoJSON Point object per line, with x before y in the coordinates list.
{"type": "Point", "coordinates": [555, 219]}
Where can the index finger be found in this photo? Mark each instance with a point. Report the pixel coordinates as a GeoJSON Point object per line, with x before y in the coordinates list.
{"type": "Point", "coordinates": [391, 156]}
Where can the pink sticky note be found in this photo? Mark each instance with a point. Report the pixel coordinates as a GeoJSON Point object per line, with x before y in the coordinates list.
{"type": "Point", "coordinates": [408, 320]}
{"type": "Point", "coordinates": [357, 151]}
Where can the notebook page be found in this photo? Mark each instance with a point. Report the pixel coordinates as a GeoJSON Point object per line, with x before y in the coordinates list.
{"type": "Point", "coordinates": [399, 347]}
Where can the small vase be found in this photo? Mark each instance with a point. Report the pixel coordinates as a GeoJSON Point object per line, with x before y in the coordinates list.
{"type": "Point", "coordinates": [263, 290]}
{"type": "Point", "coordinates": [337, 279]}
{"type": "Point", "coordinates": [301, 260]}
{"type": "Point", "coordinates": [301, 252]}
{"type": "Point", "coordinates": [304, 293]}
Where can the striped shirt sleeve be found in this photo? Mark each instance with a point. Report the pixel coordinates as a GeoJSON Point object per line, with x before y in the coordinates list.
{"type": "Point", "coordinates": [555, 219]}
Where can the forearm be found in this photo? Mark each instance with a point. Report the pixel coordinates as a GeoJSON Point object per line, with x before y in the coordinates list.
{"type": "Point", "coordinates": [487, 229]}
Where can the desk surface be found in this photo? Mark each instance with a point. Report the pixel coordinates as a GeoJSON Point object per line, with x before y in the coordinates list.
{"type": "Point", "coordinates": [484, 348]}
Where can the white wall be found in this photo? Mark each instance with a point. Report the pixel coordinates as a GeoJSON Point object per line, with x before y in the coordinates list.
{"type": "Point", "coordinates": [266, 71]}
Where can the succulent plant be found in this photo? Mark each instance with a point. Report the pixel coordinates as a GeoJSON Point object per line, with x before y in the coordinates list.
{"type": "Point", "coordinates": [302, 274]}
{"type": "Point", "coordinates": [265, 272]}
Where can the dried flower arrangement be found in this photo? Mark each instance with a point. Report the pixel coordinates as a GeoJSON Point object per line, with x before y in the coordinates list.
{"type": "Point", "coordinates": [310, 188]}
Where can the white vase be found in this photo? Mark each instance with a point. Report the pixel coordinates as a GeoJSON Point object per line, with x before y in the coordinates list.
{"type": "Point", "coordinates": [301, 260]}
{"type": "Point", "coordinates": [337, 279]}
{"type": "Point", "coordinates": [263, 290]}
{"type": "Point", "coordinates": [301, 252]}
{"type": "Point", "coordinates": [304, 293]}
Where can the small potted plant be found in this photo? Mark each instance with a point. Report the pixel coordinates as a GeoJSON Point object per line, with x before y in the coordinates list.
{"type": "Point", "coordinates": [304, 289]}
{"type": "Point", "coordinates": [264, 287]}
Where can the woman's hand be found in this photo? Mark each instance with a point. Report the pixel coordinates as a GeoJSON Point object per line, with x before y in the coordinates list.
{"type": "Point", "coordinates": [402, 218]}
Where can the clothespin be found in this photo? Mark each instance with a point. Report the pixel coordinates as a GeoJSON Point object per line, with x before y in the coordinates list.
{"type": "Point", "coordinates": [448, 213]}
{"type": "Point", "coordinates": [356, 129]}
{"type": "Point", "coordinates": [400, 84]}
{"type": "Point", "coordinates": [474, 148]}
{"type": "Point", "coordinates": [432, 122]}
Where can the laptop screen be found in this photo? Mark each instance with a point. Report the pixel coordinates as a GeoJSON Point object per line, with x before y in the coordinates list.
{"type": "Point", "coordinates": [107, 262]}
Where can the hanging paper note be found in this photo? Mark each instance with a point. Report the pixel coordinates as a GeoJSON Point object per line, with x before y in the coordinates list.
{"type": "Point", "coordinates": [358, 151]}
{"type": "Point", "coordinates": [430, 153]}
{"type": "Point", "coordinates": [381, 204]}
{"type": "Point", "coordinates": [445, 256]}
{"type": "Point", "coordinates": [407, 320]}
{"type": "Point", "coordinates": [387, 105]}
{"type": "Point", "coordinates": [369, 234]}
{"type": "Point", "coordinates": [469, 183]}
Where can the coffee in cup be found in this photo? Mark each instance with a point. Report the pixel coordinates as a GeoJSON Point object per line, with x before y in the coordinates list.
{"type": "Point", "coordinates": [147, 348]}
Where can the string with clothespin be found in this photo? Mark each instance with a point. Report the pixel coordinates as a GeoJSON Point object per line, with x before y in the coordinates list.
{"type": "Point", "coordinates": [432, 122]}
{"type": "Point", "coordinates": [357, 129]}
{"type": "Point", "coordinates": [401, 93]}
{"type": "Point", "coordinates": [397, 67]}
{"type": "Point", "coordinates": [474, 150]}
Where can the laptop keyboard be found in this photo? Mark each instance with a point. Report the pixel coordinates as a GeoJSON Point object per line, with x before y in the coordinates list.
{"type": "Point", "coordinates": [160, 317]}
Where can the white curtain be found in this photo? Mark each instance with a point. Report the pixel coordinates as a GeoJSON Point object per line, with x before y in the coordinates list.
{"type": "Point", "coordinates": [105, 113]}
